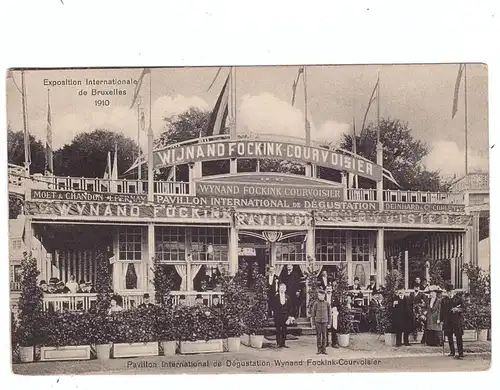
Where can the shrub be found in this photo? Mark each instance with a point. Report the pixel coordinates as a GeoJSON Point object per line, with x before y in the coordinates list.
{"type": "Point", "coordinates": [30, 303]}
{"type": "Point", "coordinates": [164, 324]}
{"type": "Point", "coordinates": [340, 293]}
{"type": "Point", "coordinates": [66, 328]}
{"type": "Point", "coordinates": [135, 325]}
{"type": "Point", "coordinates": [478, 308]}
{"type": "Point", "coordinates": [311, 274]}
{"type": "Point", "coordinates": [192, 323]}
{"type": "Point", "coordinates": [256, 319]}
{"type": "Point", "coordinates": [103, 282]}
{"type": "Point", "coordinates": [236, 302]}
{"type": "Point", "coordinates": [162, 282]}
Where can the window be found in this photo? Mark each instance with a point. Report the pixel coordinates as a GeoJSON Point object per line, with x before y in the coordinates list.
{"type": "Point", "coordinates": [291, 250]}
{"type": "Point", "coordinates": [16, 274]}
{"type": "Point", "coordinates": [170, 243]}
{"type": "Point", "coordinates": [130, 243]}
{"type": "Point", "coordinates": [209, 244]}
{"type": "Point", "coordinates": [330, 245]}
{"type": "Point", "coordinates": [360, 246]}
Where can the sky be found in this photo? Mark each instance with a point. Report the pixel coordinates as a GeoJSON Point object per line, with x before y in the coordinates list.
{"type": "Point", "coordinates": [421, 95]}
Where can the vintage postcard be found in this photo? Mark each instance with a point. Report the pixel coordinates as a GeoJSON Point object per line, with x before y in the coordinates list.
{"type": "Point", "coordinates": [249, 219]}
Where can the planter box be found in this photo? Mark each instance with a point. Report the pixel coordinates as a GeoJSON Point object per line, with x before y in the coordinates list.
{"type": "Point", "coordinates": [390, 339]}
{"type": "Point", "coordinates": [416, 339]}
{"type": "Point", "coordinates": [470, 335]}
{"type": "Point", "coordinates": [344, 340]}
{"type": "Point", "coordinates": [233, 344]}
{"type": "Point", "coordinates": [482, 335]}
{"type": "Point", "coordinates": [256, 340]}
{"type": "Point", "coordinates": [169, 347]}
{"type": "Point", "coordinates": [121, 350]}
{"type": "Point", "coordinates": [76, 352]}
{"type": "Point", "coordinates": [103, 351]}
{"type": "Point", "coordinates": [245, 339]}
{"type": "Point", "coordinates": [26, 354]}
{"type": "Point", "coordinates": [201, 346]}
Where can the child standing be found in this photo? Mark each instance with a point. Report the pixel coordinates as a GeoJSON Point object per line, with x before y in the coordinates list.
{"type": "Point", "coordinates": [321, 315]}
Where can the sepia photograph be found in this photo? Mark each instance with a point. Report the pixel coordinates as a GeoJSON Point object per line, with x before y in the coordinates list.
{"type": "Point", "coordinates": [249, 219]}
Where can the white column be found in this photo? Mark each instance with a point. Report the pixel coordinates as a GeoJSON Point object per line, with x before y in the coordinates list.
{"type": "Point", "coordinates": [467, 256]}
{"type": "Point", "coordinates": [310, 244]}
{"type": "Point", "coordinates": [344, 184]}
{"type": "Point", "coordinates": [349, 256]}
{"type": "Point", "coordinates": [233, 165]}
{"type": "Point", "coordinates": [380, 257]}
{"type": "Point", "coordinates": [191, 178]}
{"type": "Point", "coordinates": [308, 170]}
{"type": "Point", "coordinates": [406, 270]}
{"type": "Point", "coordinates": [197, 172]}
{"type": "Point", "coordinates": [233, 250]}
{"type": "Point", "coordinates": [150, 258]}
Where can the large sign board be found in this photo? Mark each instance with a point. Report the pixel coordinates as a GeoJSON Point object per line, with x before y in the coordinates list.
{"type": "Point", "coordinates": [77, 210]}
{"type": "Point", "coordinates": [424, 207]}
{"type": "Point", "coordinates": [227, 149]}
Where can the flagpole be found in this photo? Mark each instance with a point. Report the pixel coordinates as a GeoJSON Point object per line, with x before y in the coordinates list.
{"type": "Point", "coordinates": [309, 167]}
{"type": "Point", "coordinates": [354, 147]}
{"type": "Point", "coordinates": [139, 168]}
{"type": "Point", "coordinates": [233, 165]}
{"type": "Point", "coordinates": [379, 149]}
{"type": "Point", "coordinates": [48, 140]}
{"type": "Point", "coordinates": [150, 145]}
{"type": "Point", "coordinates": [465, 118]}
{"type": "Point", "coordinates": [27, 153]}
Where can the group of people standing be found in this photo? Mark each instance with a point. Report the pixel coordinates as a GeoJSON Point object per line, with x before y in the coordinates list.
{"type": "Point", "coordinates": [440, 312]}
{"type": "Point", "coordinates": [56, 286]}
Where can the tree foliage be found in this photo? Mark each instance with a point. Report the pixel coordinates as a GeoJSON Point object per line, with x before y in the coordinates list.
{"type": "Point", "coordinates": [30, 303]}
{"type": "Point", "coordinates": [87, 154]}
{"type": "Point", "coordinates": [403, 155]}
{"type": "Point", "coordinates": [15, 151]}
{"type": "Point", "coordinates": [103, 282]}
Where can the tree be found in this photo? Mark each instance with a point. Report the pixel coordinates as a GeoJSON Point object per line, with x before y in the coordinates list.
{"type": "Point", "coordinates": [15, 206]}
{"type": "Point", "coordinates": [403, 155]}
{"type": "Point", "coordinates": [103, 282]}
{"type": "Point", "coordinates": [87, 154]}
{"type": "Point", "coordinates": [15, 151]}
{"type": "Point", "coordinates": [30, 303]}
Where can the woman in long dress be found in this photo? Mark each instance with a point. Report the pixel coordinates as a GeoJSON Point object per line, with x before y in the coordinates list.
{"type": "Point", "coordinates": [433, 324]}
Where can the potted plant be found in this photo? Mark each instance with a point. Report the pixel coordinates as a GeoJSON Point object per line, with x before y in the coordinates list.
{"type": "Point", "coordinates": [200, 329]}
{"type": "Point", "coordinates": [478, 307]}
{"type": "Point", "coordinates": [393, 280]}
{"type": "Point", "coordinates": [65, 336]}
{"type": "Point", "coordinates": [345, 318]}
{"type": "Point", "coordinates": [256, 319]}
{"type": "Point", "coordinates": [134, 333]}
{"type": "Point", "coordinates": [30, 309]}
{"type": "Point", "coordinates": [236, 304]}
{"type": "Point", "coordinates": [100, 337]}
{"type": "Point", "coordinates": [165, 330]}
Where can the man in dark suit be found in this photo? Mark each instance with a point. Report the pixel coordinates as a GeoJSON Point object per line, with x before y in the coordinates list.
{"type": "Point", "coordinates": [323, 280]}
{"type": "Point", "coordinates": [291, 280]}
{"type": "Point", "coordinates": [356, 288]}
{"type": "Point", "coordinates": [282, 308]}
{"type": "Point", "coordinates": [272, 289]}
{"type": "Point", "coordinates": [452, 309]}
{"type": "Point", "coordinates": [145, 302]}
{"type": "Point", "coordinates": [402, 318]}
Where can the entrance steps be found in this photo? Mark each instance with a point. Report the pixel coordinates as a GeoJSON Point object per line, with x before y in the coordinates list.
{"type": "Point", "coordinates": [301, 327]}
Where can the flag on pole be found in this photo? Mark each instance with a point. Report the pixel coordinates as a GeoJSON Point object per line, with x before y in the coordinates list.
{"type": "Point", "coordinates": [171, 173]}
{"type": "Point", "coordinates": [295, 83]}
{"type": "Point", "coordinates": [373, 96]}
{"type": "Point", "coordinates": [220, 112]}
{"type": "Point", "coordinates": [107, 171]}
{"type": "Point", "coordinates": [457, 90]}
{"type": "Point", "coordinates": [49, 161]}
{"type": "Point", "coordinates": [144, 72]}
{"type": "Point", "coordinates": [215, 78]}
{"type": "Point", "coordinates": [114, 170]}
{"type": "Point", "coordinates": [353, 179]}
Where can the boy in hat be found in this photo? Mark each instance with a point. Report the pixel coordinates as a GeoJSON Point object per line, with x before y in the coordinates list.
{"type": "Point", "coordinates": [452, 308]}
{"type": "Point", "coordinates": [321, 316]}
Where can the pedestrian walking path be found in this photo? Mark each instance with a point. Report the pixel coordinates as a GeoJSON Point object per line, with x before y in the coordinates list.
{"type": "Point", "coordinates": [363, 349]}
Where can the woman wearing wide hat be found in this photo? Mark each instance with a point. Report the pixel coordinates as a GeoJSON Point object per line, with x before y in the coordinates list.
{"type": "Point", "coordinates": [433, 318]}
